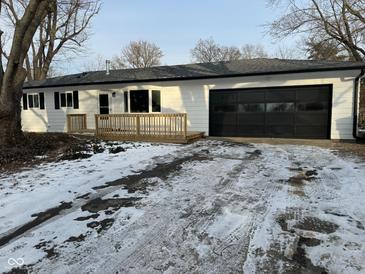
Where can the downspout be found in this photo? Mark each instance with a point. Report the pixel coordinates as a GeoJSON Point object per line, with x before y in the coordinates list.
{"type": "Point", "coordinates": [356, 102]}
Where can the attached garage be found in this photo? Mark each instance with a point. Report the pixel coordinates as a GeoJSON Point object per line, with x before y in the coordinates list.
{"type": "Point", "coordinates": [288, 112]}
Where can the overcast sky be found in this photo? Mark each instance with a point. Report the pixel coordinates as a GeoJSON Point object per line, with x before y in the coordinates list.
{"type": "Point", "coordinates": [176, 25]}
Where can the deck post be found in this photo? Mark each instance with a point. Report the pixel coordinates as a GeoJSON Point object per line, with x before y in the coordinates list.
{"type": "Point", "coordinates": [96, 125]}
{"type": "Point", "coordinates": [68, 123]}
{"type": "Point", "coordinates": [138, 125]}
{"type": "Point", "coordinates": [185, 124]}
{"type": "Point", "coordinates": [85, 122]}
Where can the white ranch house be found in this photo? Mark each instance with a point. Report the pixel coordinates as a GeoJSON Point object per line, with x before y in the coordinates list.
{"type": "Point", "coordinates": [249, 98]}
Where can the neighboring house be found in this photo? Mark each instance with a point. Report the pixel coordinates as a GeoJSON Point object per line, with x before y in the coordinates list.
{"type": "Point", "coordinates": [254, 98]}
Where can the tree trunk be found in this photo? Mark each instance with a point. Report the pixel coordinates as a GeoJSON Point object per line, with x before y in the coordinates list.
{"type": "Point", "coordinates": [12, 79]}
{"type": "Point", "coordinates": [10, 118]}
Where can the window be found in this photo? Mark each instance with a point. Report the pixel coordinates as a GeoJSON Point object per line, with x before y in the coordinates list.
{"type": "Point", "coordinates": [156, 101]}
{"type": "Point", "coordinates": [126, 101]}
{"type": "Point", "coordinates": [139, 100]}
{"type": "Point", "coordinates": [254, 107]}
{"type": "Point", "coordinates": [69, 99]}
{"type": "Point", "coordinates": [33, 101]}
{"type": "Point", "coordinates": [280, 107]}
{"type": "Point", "coordinates": [314, 106]}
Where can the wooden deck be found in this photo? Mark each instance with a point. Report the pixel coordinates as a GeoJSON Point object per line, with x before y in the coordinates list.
{"type": "Point", "coordinates": [164, 128]}
{"type": "Point", "coordinates": [190, 137]}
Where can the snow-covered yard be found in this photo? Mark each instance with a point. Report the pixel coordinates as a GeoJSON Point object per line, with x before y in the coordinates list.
{"type": "Point", "coordinates": [208, 207]}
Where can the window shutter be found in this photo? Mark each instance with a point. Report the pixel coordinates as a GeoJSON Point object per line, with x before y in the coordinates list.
{"type": "Point", "coordinates": [25, 101]}
{"type": "Point", "coordinates": [63, 99]}
{"type": "Point", "coordinates": [41, 100]}
{"type": "Point", "coordinates": [76, 99]}
{"type": "Point", "coordinates": [30, 101]}
{"type": "Point", "coordinates": [156, 101]}
{"type": "Point", "coordinates": [57, 100]}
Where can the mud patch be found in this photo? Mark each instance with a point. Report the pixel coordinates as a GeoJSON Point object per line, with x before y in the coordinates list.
{"type": "Point", "coordinates": [139, 182]}
{"type": "Point", "coordinates": [299, 193]}
{"type": "Point", "coordinates": [40, 218]}
{"type": "Point", "coordinates": [254, 154]}
{"type": "Point", "coordinates": [75, 152]}
{"type": "Point", "coordinates": [301, 177]}
{"type": "Point", "coordinates": [85, 218]}
{"type": "Point", "coordinates": [115, 150]}
{"type": "Point", "coordinates": [317, 225]}
{"type": "Point", "coordinates": [300, 256]}
{"type": "Point", "coordinates": [45, 246]}
{"type": "Point", "coordinates": [299, 262]}
{"type": "Point", "coordinates": [77, 239]}
{"type": "Point", "coordinates": [18, 270]}
{"type": "Point", "coordinates": [309, 241]}
{"type": "Point", "coordinates": [102, 225]}
{"type": "Point", "coordinates": [98, 204]}
{"type": "Point", "coordinates": [307, 223]}
{"type": "Point", "coordinates": [84, 196]}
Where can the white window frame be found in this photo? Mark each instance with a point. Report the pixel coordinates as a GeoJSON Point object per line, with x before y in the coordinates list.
{"type": "Point", "coordinates": [28, 101]}
{"type": "Point", "coordinates": [72, 99]}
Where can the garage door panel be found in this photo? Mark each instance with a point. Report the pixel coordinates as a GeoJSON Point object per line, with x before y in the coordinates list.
{"type": "Point", "coordinates": [315, 132]}
{"type": "Point", "coordinates": [280, 119]}
{"type": "Point", "coordinates": [251, 119]}
{"type": "Point", "coordinates": [291, 112]}
{"type": "Point", "coordinates": [224, 130]}
{"type": "Point", "coordinates": [315, 119]}
{"type": "Point", "coordinates": [280, 96]}
{"type": "Point", "coordinates": [222, 98]}
{"type": "Point", "coordinates": [280, 131]}
{"type": "Point", "coordinates": [251, 131]}
{"type": "Point", "coordinates": [314, 94]}
{"type": "Point", "coordinates": [226, 118]}
{"type": "Point", "coordinates": [251, 96]}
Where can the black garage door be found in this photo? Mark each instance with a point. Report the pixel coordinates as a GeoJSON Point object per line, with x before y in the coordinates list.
{"type": "Point", "coordinates": [289, 112]}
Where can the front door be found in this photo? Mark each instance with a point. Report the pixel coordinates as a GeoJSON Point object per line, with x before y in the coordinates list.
{"type": "Point", "coordinates": [104, 103]}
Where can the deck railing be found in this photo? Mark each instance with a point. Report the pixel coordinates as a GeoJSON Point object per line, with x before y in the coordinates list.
{"type": "Point", "coordinates": [76, 123]}
{"type": "Point", "coordinates": [141, 126]}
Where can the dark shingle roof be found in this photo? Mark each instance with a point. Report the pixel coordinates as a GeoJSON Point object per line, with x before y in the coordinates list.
{"type": "Point", "coordinates": [196, 71]}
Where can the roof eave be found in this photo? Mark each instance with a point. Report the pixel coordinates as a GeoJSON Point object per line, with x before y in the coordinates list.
{"type": "Point", "coordinates": [196, 77]}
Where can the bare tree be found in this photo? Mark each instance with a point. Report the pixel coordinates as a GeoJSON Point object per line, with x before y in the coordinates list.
{"type": "Point", "coordinates": [138, 54]}
{"type": "Point", "coordinates": [208, 50]}
{"type": "Point", "coordinates": [284, 52]}
{"type": "Point", "coordinates": [97, 63]}
{"type": "Point", "coordinates": [251, 51]}
{"type": "Point", "coordinates": [118, 62]}
{"type": "Point", "coordinates": [63, 31]}
{"type": "Point", "coordinates": [230, 53]}
{"type": "Point", "coordinates": [12, 78]}
{"type": "Point", "coordinates": [338, 21]}
{"type": "Point", "coordinates": [319, 49]}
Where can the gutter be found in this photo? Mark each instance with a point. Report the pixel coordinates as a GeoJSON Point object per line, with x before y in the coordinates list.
{"type": "Point", "coordinates": [356, 103]}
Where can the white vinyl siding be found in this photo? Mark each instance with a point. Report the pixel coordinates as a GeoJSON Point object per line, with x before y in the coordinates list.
{"type": "Point", "coordinates": [192, 97]}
